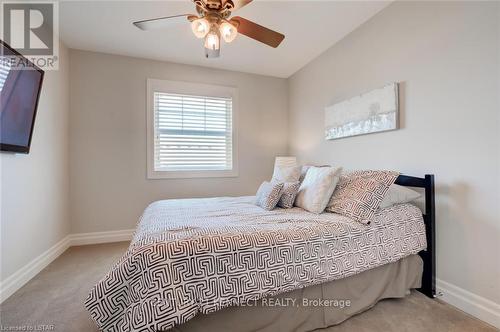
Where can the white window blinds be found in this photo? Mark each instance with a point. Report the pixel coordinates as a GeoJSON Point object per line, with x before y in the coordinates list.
{"type": "Point", "coordinates": [192, 133]}
{"type": "Point", "coordinates": [4, 72]}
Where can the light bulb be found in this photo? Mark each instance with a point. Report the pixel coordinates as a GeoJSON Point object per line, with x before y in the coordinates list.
{"type": "Point", "coordinates": [212, 41]}
{"type": "Point", "coordinates": [228, 31]}
{"type": "Point", "coordinates": [212, 44]}
{"type": "Point", "coordinates": [200, 27]}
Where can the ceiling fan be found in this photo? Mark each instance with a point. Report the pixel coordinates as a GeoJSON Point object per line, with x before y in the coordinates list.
{"type": "Point", "coordinates": [213, 22]}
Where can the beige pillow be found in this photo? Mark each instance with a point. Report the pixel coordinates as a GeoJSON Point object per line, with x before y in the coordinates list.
{"type": "Point", "coordinates": [317, 188]}
{"type": "Point", "coordinates": [359, 194]}
{"type": "Point", "coordinates": [268, 195]}
{"type": "Point", "coordinates": [398, 195]}
{"type": "Point", "coordinates": [287, 174]}
{"type": "Point", "coordinates": [303, 172]}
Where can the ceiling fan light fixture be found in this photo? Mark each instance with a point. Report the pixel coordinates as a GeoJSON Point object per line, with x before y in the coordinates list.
{"type": "Point", "coordinates": [228, 31]}
{"type": "Point", "coordinates": [200, 27]}
{"type": "Point", "coordinates": [213, 20]}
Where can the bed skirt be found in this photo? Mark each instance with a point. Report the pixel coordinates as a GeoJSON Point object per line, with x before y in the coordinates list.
{"type": "Point", "coordinates": [316, 306]}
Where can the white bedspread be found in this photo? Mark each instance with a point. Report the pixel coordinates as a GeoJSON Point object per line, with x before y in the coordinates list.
{"type": "Point", "coordinates": [200, 255]}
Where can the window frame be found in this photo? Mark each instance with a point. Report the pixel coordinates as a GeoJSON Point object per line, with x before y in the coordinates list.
{"type": "Point", "coordinates": [198, 89]}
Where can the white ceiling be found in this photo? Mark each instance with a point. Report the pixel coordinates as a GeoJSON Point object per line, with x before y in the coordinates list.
{"type": "Point", "coordinates": [310, 27]}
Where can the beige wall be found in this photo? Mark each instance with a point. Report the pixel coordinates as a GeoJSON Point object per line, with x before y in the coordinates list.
{"type": "Point", "coordinates": [35, 187]}
{"type": "Point", "coordinates": [447, 57]}
{"type": "Point", "coordinates": [109, 189]}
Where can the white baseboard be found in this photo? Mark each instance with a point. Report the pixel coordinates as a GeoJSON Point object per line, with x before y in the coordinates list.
{"type": "Point", "coordinates": [475, 305]}
{"type": "Point", "coordinates": [81, 239]}
{"type": "Point", "coordinates": [10, 285]}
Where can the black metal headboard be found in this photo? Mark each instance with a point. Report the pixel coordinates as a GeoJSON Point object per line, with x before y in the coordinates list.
{"type": "Point", "coordinates": [428, 256]}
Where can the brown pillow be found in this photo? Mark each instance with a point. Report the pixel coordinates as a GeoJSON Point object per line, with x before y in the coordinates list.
{"type": "Point", "coordinates": [359, 194]}
{"type": "Point", "coordinates": [290, 190]}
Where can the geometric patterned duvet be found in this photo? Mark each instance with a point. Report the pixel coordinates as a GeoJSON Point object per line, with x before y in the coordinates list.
{"type": "Point", "coordinates": [200, 255]}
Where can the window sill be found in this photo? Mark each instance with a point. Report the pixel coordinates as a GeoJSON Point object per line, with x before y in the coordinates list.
{"type": "Point", "coordinates": [155, 175]}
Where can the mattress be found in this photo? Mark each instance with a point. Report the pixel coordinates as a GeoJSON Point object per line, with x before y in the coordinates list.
{"type": "Point", "coordinates": [195, 256]}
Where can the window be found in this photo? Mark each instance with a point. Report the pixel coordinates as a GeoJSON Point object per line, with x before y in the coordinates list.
{"type": "Point", "coordinates": [190, 130]}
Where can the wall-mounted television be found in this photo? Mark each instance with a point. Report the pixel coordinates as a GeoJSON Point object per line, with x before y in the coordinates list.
{"type": "Point", "coordinates": [20, 85]}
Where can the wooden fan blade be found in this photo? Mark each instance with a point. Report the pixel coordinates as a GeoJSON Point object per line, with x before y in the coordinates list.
{"type": "Point", "coordinates": [239, 3]}
{"type": "Point", "coordinates": [162, 22]}
{"type": "Point", "coordinates": [257, 32]}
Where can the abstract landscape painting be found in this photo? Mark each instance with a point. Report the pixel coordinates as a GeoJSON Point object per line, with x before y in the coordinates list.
{"type": "Point", "coordinates": [371, 112]}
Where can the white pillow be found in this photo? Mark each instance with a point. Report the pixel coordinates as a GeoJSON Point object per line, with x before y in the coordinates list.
{"type": "Point", "coordinates": [287, 174]}
{"type": "Point", "coordinates": [398, 195]}
{"type": "Point", "coordinates": [317, 188]}
{"type": "Point", "coordinates": [305, 168]}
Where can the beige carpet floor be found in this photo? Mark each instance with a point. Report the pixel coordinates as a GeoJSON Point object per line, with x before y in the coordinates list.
{"type": "Point", "coordinates": [55, 298]}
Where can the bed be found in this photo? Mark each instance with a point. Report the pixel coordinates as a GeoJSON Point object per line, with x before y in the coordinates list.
{"type": "Point", "coordinates": [200, 264]}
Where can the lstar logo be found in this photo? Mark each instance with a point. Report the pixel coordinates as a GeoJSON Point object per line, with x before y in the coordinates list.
{"type": "Point", "coordinates": [31, 27]}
